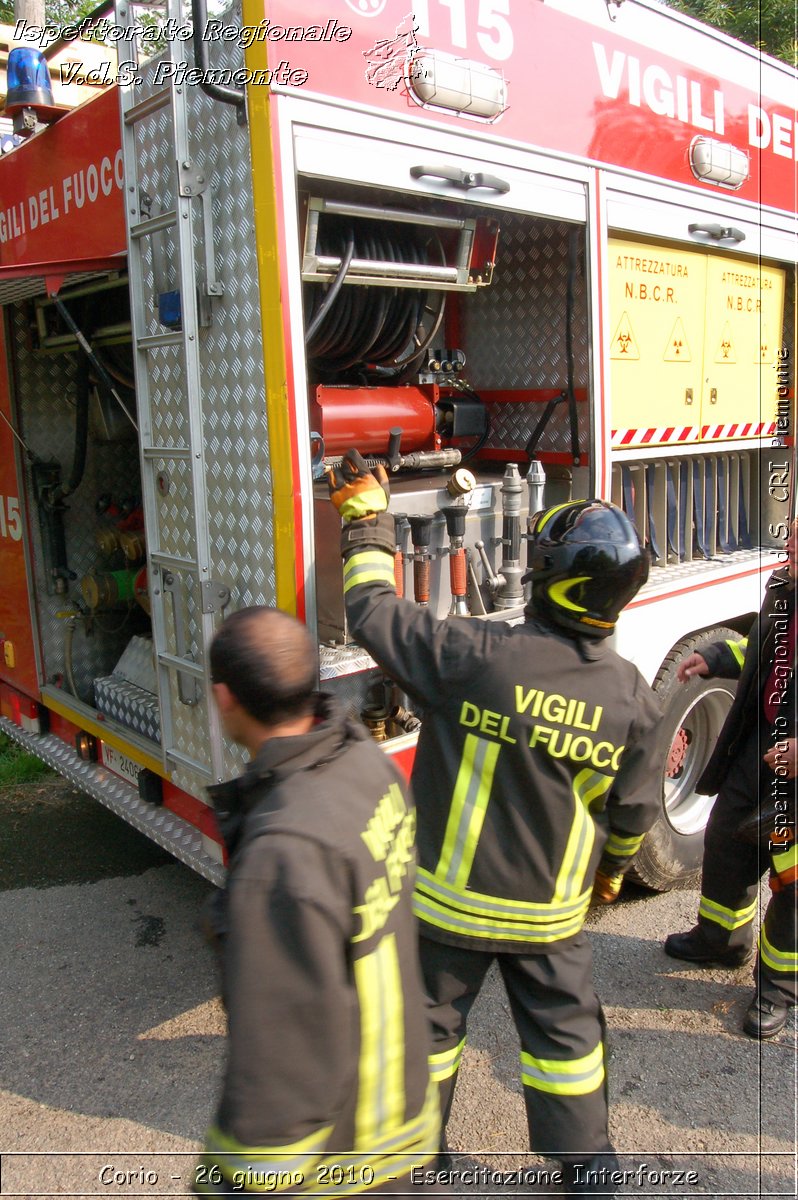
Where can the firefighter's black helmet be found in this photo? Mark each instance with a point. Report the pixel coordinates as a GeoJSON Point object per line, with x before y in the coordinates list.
{"type": "Point", "coordinates": [586, 564]}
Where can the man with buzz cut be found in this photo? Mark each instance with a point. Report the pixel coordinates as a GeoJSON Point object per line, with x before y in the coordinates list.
{"type": "Point", "coordinates": [326, 1088]}
{"type": "Point", "coordinates": [534, 786]}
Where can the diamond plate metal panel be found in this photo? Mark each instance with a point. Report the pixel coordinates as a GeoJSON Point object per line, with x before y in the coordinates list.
{"type": "Point", "coordinates": [354, 692]}
{"type": "Point", "coordinates": [170, 401]}
{"type": "Point", "coordinates": [137, 664]}
{"type": "Point", "coordinates": [129, 705]}
{"type": "Point", "coordinates": [175, 498]}
{"type": "Point", "coordinates": [514, 330]}
{"type": "Point", "coordinates": [235, 433]}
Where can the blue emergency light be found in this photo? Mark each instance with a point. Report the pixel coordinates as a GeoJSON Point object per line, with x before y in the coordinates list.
{"type": "Point", "coordinates": [28, 82]}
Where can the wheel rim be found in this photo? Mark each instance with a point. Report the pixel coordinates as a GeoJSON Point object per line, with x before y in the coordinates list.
{"type": "Point", "coordinates": [693, 742]}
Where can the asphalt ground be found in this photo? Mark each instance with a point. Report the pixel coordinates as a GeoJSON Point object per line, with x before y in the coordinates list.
{"type": "Point", "coordinates": [112, 1035]}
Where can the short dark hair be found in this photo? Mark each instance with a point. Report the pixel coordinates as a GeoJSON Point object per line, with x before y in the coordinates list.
{"type": "Point", "coordinates": [268, 661]}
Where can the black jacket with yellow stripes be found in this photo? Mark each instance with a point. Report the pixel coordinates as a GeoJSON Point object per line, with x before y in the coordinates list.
{"type": "Point", "coordinates": [326, 1087]}
{"type": "Point", "coordinates": [535, 759]}
{"type": "Point", "coordinates": [751, 661]}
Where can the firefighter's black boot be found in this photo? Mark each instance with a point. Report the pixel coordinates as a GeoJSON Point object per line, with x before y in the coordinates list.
{"type": "Point", "coordinates": [591, 1176]}
{"type": "Point", "coordinates": [693, 947]}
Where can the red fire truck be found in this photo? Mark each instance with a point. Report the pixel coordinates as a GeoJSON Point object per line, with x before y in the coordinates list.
{"type": "Point", "coordinates": [518, 250]}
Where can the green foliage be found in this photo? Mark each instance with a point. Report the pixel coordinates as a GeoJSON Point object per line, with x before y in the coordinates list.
{"type": "Point", "coordinates": [71, 12]}
{"type": "Point", "coordinates": [16, 766]}
{"type": "Point", "coordinates": [58, 12]}
{"type": "Point", "coordinates": [770, 25]}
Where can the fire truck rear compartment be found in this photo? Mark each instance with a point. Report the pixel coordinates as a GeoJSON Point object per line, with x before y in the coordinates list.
{"type": "Point", "coordinates": [89, 549]}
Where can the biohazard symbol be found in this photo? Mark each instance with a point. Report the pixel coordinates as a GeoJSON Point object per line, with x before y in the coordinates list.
{"type": "Point", "coordinates": [725, 352]}
{"type": "Point", "coordinates": [624, 345]}
{"type": "Point", "coordinates": [765, 346]}
{"type": "Point", "coordinates": [678, 348]}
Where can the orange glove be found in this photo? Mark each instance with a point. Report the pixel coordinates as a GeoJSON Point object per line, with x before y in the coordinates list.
{"type": "Point", "coordinates": [606, 888]}
{"type": "Point", "coordinates": [355, 490]}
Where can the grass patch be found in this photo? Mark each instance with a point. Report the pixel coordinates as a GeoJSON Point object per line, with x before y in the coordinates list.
{"type": "Point", "coordinates": [16, 766]}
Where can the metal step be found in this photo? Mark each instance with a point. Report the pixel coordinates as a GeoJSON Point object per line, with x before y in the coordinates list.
{"type": "Point", "coordinates": [176, 452]}
{"type": "Point", "coordinates": [154, 341]}
{"type": "Point", "coordinates": [148, 106]}
{"type": "Point", "coordinates": [171, 562]}
{"type": "Point", "coordinates": [164, 220]}
{"type": "Point", "coordinates": [187, 665]}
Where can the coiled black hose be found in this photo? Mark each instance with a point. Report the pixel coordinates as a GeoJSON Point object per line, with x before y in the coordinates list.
{"type": "Point", "coordinates": [381, 329]}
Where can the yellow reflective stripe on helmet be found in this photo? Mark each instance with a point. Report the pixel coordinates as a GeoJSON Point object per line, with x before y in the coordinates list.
{"type": "Point", "coordinates": [623, 847]}
{"type": "Point", "coordinates": [369, 566]}
{"type": "Point", "coordinates": [446, 1063]}
{"type": "Point", "coordinates": [467, 813]}
{"type": "Point", "coordinates": [727, 918]}
{"type": "Point", "coordinates": [230, 1155]}
{"type": "Point", "coordinates": [786, 859]}
{"type": "Point", "coordinates": [557, 593]}
{"type": "Point", "coordinates": [777, 960]}
{"type": "Point", "coordinates": [738, 649]}
{"type": "Point", "coordinates": [545, 517]}
{"type": "Point", "coordinates": [381, 1071]}
{"type": "Point", "coordinates": [572, 1077]}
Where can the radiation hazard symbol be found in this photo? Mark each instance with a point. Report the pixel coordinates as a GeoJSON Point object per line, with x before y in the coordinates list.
{"type": "Point", "coordinates": [725, 351]}
{"type": "Point", "coordinates": [678, 348]}
{"type": "Point", "coordinates": [624, 345]}
{"type": "Point", "coordinates": [765, 354]}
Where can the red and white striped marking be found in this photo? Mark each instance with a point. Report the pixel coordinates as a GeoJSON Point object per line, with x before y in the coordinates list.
{"type": "Point", "coordinates": [679, 434]}
{"type": "Point", "coordinates": [657, 436]}
{"type": "Point", "coordinates": [740, 430]}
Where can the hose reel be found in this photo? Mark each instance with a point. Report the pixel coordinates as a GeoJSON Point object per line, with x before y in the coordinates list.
{"type": "Point", "coordinates": [383, 328]}
{"type": "Point", "coordinates": [404, 262]}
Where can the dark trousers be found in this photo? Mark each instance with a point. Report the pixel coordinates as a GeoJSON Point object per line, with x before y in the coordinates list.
{"type": "Point", "coordinates": [561, 1027]}
{"type": "Point", "coordinates": [731, 874]}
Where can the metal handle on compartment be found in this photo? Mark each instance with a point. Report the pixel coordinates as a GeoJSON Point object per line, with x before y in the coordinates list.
{"type": "Point", "coordinates": [462, 179]}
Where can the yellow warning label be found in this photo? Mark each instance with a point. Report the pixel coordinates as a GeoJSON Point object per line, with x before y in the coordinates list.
{"type": "Point", "coordinates": [678, 348]}
{"type": "Point", "coordinates": [725, 351]}
{"type": "Point", "coordinates": [766, 347]}
{"type": "Point", "coordinates": [624, 345]}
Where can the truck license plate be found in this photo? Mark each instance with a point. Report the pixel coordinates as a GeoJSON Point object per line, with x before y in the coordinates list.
{"type": "Point", "coordinates": [121, 765]}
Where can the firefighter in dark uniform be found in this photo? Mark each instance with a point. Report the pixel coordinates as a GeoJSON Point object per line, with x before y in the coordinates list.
{"type": "Point", "coordinates": [327, 1085]}
{"type": "Point", "coordinates": [752, 825]}
{"type": "Point", "coordinates": [532, 779]}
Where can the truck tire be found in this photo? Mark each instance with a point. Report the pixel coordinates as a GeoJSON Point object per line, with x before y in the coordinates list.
{"type": "Point", "coordinates": [693, 715]}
